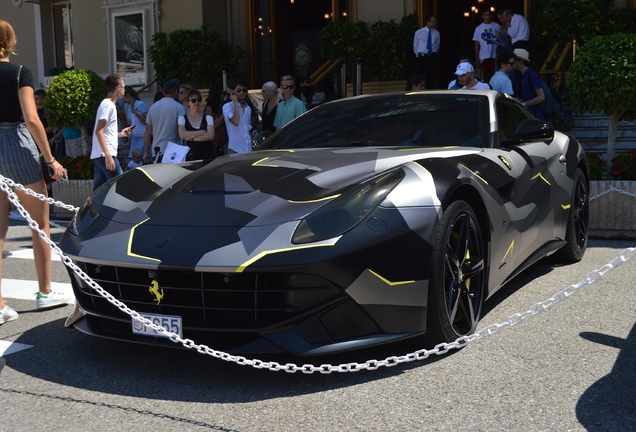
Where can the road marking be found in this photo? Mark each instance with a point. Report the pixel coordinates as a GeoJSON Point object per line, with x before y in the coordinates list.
{"type": "Point", "coordinates": [26, 289]}
{"type": "Point", "coordinates": [12, 347]}
{"type": "Point", "coordinates": [28, 254]}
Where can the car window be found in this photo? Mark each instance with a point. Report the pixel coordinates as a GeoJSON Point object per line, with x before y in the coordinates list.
{"type": "Point", "coordinates": [509, 117]}
{"type": "Point", "coordinates": [396, 120]}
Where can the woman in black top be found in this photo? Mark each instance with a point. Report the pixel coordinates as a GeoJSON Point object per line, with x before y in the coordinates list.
{"type": "Point", "coordinates": [270, 94]}
{"type": "Point", "coordinates": [197, 129]}
{"type": "Point", "coordinates": [19, 161]}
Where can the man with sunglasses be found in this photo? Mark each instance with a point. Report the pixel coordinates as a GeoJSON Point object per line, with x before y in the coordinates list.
{"type": "Point", "coordinates": [290, 107]}
{"type": "Point", "coordinates": [500, 80]}
{"type": "Point", "coordinates": [237, 115]}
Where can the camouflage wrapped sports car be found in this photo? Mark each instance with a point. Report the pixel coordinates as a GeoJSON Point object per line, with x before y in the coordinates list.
{"type": "Point", "coordinates": [364, 221]}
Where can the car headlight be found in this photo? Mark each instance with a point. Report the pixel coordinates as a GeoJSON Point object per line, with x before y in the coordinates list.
{"type": "Point", "coordinates": [346, 211]}
{"type": "Point", "coordinates": [89, 211]}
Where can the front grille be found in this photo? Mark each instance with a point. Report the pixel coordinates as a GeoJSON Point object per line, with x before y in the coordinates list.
{"type": "Point", "coordinates": [214, 301]}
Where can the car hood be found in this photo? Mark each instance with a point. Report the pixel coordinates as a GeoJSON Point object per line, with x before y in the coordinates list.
{"type": "Point", "coordinates": [254, 189]}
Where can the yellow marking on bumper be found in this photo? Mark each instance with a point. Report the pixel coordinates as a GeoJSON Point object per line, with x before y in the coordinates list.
{"type": "Point", "coordinates": [130, 239]}
{"type": "Point", "coordinates": [542, 178]}
{"type": "Point", "coordinates": [273, 251]}
{"type": "Point", "coordinates": [473, 173]}
{"type": "Point", "coordinates": [510, 248]}
{"type": "Point", "coordinates": [147, 175]}
{"type": "Point", "coordinates": [314, 201]}
{"type": "Point", "coordinates": [566, 207]}
{"type": "Point", "coordinates": [388, 282]}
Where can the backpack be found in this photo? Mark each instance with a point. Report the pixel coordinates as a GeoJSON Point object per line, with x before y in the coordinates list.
{"type": "Point", "coordinates": [550, 105]}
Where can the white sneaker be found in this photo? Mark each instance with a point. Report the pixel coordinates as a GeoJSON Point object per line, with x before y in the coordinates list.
{"type": "Point", "coordinates": [7, 314]}
{"type": "Point", "coordinates": [52, 299]}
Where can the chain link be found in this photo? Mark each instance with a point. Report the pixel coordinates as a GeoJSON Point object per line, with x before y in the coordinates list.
{"type": "Point", "coordinates": [440, 349]}
{"type": "Point", "coordinates": [612, 188]}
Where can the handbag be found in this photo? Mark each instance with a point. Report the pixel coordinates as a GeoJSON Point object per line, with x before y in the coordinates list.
{"type": "Point", "coordinates": [47, 170]}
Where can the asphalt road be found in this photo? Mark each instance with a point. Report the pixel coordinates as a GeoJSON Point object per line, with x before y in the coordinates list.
{"type": "Point", "coordinates": [572, 367]}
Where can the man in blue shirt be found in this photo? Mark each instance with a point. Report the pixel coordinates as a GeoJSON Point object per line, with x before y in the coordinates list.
{"type": "Point", "coordinates": [500, 80]}
{"type": "Point", "coordinates": [290, 107]}
{"type": "Point", "coordinates": [531, 89]}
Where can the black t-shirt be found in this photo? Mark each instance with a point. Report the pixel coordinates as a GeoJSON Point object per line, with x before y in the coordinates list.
{"type": "Point", "coordinates": [10, 110]}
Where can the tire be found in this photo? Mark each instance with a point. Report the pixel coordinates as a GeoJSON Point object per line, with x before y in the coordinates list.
{"type": "Point", "coordinates": [578, 222]}
{"type": "Point", "coordinates": [457, 281]}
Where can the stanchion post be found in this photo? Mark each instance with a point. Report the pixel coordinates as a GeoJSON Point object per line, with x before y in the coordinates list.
{"type": "Point", "coordinates": [358, 78]}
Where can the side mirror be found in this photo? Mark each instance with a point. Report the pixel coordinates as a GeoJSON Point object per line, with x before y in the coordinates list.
{"type": "Point", "coordinates": [535, 130]}
{"type": "Point", "coordinates": [258, 139]}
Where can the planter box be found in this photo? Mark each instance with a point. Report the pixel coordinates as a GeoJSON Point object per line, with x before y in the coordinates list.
{"type": "Point", "coordinates": [73, 192]}
{"type": "Point", "coordinates": [613, 215]}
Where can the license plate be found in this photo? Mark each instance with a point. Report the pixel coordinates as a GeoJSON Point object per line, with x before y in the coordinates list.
{"type": "Point", "coordinates": [171, 323]}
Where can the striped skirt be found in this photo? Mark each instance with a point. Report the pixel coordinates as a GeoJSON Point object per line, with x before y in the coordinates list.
{"type": "Point", "coordinates": [19, 155]}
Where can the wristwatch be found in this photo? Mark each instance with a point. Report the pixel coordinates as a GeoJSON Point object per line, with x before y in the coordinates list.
{"type": "Point", "coordinates": [302, 58]}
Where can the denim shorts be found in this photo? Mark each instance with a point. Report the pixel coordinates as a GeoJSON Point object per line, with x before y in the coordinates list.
{"type": "Point", "coordinates": [19, 155]}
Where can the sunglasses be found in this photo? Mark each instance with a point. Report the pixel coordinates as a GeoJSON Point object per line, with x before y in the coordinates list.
{"type": "Point", "coordinates": [196, 100]}
{"type": "Point", "coordinates": [512, 62]}
{"type": "Point", "coordinates": [122, 86]}
{"type": "Point", "coordinates": [289, 87]}
{"type": "Point", "coordinates": [243, 90]}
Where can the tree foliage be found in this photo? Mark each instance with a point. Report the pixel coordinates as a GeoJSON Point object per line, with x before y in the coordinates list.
{"type": "Point", "coordinates": [603, 78]}
{"type": "Point", "coordinates": [194, 56]}
{"type": "Point", "coordinates": [72, 98]}
{"type": "Point", "coordinates": [386, 48]}
{"type": "Point", "coordinates": [554, 21]}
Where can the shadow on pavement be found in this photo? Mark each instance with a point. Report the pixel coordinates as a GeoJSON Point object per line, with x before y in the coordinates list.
{"type": "Point", "coordinates": [610, 403]}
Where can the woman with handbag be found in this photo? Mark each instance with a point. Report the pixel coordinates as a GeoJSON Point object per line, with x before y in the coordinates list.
{"type": "Point", "coordinates": [22, 136]}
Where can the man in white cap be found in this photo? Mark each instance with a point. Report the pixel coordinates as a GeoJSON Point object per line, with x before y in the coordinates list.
{"type": "Point", "coordinates": [466, 77]}
{"type": "Point", "coordinates": [532, 94]}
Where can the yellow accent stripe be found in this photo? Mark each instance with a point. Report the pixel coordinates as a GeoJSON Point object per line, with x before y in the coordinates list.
{"type": "Point", "coordinates": [316, 200]}
{"type": "Point", "coordinates": [473, 173]}
{"type": "Point", "coordinates": [566, 207]}
{"type": "Point", "coordinates": [258, 163]}
{"type": "Point", "coordinates": [542, 178]}
{"type": "Point", "coordinates": [147, 175]}
{"type": "Point", "coordinates": [510, 248]}
{"type": "Point", "coordinates": [130, 239]}
{"type": "Point", "coordinates": [388, 282]}
{"type": "Point", "coordinates": [273, 251]}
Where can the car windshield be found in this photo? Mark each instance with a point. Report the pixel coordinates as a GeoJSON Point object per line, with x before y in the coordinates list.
{"type": "Point", "coordinates": [409, 120]}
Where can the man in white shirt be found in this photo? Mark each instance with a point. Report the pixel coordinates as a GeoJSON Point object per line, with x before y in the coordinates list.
{"type": "Point", "coordinates": [519, 30]}
{"type": "Point", "coordinates": [105, 135]}
{"type": "Point", "coordinates": [485, 49]}
{"type": "Point", "coordinates": [466, 77]}
{"type": "Point", "coordinates": [237, 116]}
{"type": "Point", "coordinates": [425, 45]}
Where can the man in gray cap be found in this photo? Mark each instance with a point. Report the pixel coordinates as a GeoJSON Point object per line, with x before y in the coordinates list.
{"type": "Point", "coordinates": [161, 121]}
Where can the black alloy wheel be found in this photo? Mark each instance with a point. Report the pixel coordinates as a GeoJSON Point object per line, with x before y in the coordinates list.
{"type": "Point", "coordinates": [458, 275]}
{"type": "Point", "coordinates": [578, 222]}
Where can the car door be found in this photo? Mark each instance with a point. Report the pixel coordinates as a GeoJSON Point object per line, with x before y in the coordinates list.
{"type": "Point", "coordinates": [532, 200]}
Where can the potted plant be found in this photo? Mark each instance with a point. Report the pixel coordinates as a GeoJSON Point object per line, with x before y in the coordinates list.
{"type": "Point", "coordinates": [197, 57]}
{"type": "Point", "coordinates": [72, 99]}
{"type": "Point", "coordinates": [79, 186]}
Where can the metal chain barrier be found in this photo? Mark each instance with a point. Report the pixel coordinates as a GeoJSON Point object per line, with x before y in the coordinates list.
{"type": "Point", "coordinates": [612, 188]}
{"type": "Point", "coordinates": [442, 348]}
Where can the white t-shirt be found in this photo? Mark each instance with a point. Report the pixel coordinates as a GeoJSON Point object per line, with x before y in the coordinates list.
{"type": "Point", "coordinates": [106, 111]}
{"type": "Point", "coordinates": [208, 119]}
{"type": "Point", "coordinates": [479, 86]}
{"type": "Point", "coordinates": [483, 33]}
